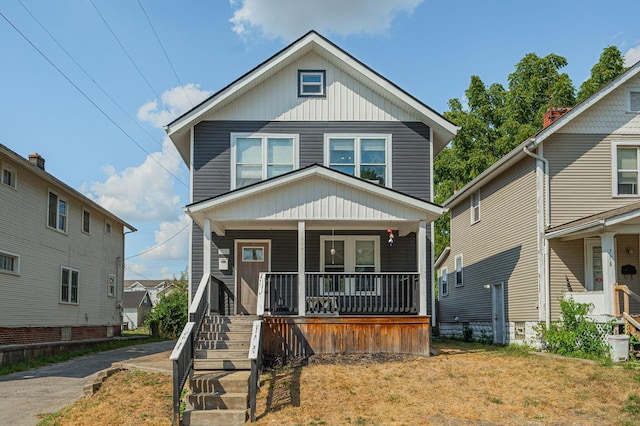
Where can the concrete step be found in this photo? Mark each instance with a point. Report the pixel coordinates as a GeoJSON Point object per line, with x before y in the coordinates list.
{"type": "Point", "coordinates": [215, 401]}
{"type": "Point", "coordinates": [221, 382]}
{"type": "Point", "coordinates": [215, 417]}
{"type": "Point", "coordinates": [221, 364]}
{"type": "Point", "coordinates": [210, 335]}
{"type": "Point", "coordinates": [222, 344]}
{"type": "Point", "coordinates": [222, 354]}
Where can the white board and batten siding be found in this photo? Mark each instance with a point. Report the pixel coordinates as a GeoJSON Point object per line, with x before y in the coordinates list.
{"type": "Point", "coordinates": [500, 248]}
{"type": "Point", "coordinates": [347, 99]}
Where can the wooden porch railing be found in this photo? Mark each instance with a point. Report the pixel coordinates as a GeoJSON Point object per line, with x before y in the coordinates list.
{"type": "Point", "coordinates": [364, 293]}
{"type": "Point", "coordinates": [624, 312]}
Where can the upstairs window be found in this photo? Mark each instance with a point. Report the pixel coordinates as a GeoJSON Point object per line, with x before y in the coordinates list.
{"type": "Point", "coordinates": [475, 207]}
{"type": "Point", "coordinates": [458, 262]}
{"type": "Point", "coordinates": [625, 169]}
{"type": "Point", "coordinates": [107, 227]}
{"type": "Point", "coordinates": [633, 100]}
{"type": "Point", "coordinates": [311, 83]}
{"type": "Point", "coordinates": [57, 218]}
{"type": "Point", "coordinates": [366, 157]}
{"type": "Point", "coordinates": [256, 157]}
{"type": "Point", "coordinates": [9, 176]}
{"type": "Point", "coordinates": [9, 263]}
{"type": "Point", "coordinates": [86, 221]}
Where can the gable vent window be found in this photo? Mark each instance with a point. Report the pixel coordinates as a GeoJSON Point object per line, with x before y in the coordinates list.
{"type": "Point", "coordinates": [633, 100]}
{"type": "Point", "coordinates": [311, 83]}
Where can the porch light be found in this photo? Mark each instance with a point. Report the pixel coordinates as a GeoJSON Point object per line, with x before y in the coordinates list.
{"type": "Point", "coordinates": [391, 236]}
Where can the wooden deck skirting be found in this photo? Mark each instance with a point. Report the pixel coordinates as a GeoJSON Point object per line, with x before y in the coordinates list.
{"type": "Point", "coordinates": [295, 336]}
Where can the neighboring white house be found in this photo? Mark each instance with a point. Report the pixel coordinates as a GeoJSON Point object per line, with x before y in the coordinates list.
{"type": "Point", "coordinates": [61, 258]}
{"type": "Point", "coordinates": [156, 289]}
{"type": "Point", "coordinates": [137, 305]}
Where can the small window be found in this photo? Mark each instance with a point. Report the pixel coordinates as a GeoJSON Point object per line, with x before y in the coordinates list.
{"type": "Point", "coordinates": [86, 221]}
{"type": "Point", "coordinates": [458, 261]}
{"type": "Point", "coordinates": [633, 100]}
{"type": "Point", "coordinates": [253, 254]}
{"type": "Point", "coordinates": [107, 227]}
{"type": "Point", "coordinates": [111, 285]}
{"type": "Point", "coordinates": [9, 263]}
{"type": "Point", "coordinates": [9, 176]}
{"type": "Point", "coordinates": [57, 218]}
{"type": "Point", "coordinates": [444, 282]}
{"type": "Point", "coordinates": [69, 285]}
{"type": "Point", "coordinates": [311, 83]}
{"type": "Point", "coordinates": [475, 207]}
{"type": "Point", "coordinates": [625, 169]}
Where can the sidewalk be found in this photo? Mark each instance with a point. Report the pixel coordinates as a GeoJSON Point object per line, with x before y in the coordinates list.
{"type": "Point", "coordinates": [49, 389]}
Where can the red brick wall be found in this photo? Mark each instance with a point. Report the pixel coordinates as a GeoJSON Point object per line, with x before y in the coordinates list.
{"type": "Point", "coordinates": [25, 335]}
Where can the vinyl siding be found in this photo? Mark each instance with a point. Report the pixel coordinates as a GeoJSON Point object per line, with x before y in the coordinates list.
{"type": "Point", "coordinates": [567, 266]}
{"type": "Point", "coordinates": [501, 247]}
{"type": "Point", "coordinates": [32, 299]}
{"type": "Point", "coordinates": [212, 158]}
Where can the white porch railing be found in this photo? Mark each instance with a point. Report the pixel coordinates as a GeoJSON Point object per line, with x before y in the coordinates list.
{"type": "Point", "coordinates": [596, 299]}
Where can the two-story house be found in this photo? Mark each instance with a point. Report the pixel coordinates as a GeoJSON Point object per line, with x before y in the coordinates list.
{"type": "Point", "coordinates": [61, 258]}
{"type": "Point", "coordinates": [557, 217]}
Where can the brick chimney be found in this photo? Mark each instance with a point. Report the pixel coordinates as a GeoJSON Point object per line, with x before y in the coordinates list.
{"type": "Point", "coordinates": [552, 114]}
{"type": "Point", "coordinates": [36, 159]}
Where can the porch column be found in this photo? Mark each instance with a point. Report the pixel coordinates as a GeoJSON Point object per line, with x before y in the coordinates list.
{"type": "Point", "coordinates": [608, 244]}
{"type": "Point", "coordinates": [206, 257]}
{"type": "Point", "coordinates": [421, 242]}
{"type": "Point", "coordinates": [302, 306]}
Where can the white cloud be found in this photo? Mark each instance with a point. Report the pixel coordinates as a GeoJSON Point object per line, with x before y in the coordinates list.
{"type": "Point", "coordinates": [632, 56]}
{"type": "Point", "coordinates": [173, 103]}
{"type": "Point", "coordinates": [171, 240]}
{"type": "Point", "coordinates": [290, 19]}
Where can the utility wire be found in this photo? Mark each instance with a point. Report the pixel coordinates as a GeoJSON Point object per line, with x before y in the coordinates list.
{"type": "Point", "coordinates": [88, 98]}
{"type": "Point", "coordinates": [144, 276]}
{"type": "Point", "coordinates": [124, 50]}
{"type": "Point", "coordinates": [136, 122]}
{"type": "Point", "coordinates": [160, 244]}
{"type": "Point", "coordinates": [175, 73]}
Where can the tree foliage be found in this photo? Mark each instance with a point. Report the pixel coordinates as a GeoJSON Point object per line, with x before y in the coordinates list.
{"type": "Point", "coordinates": [170, 315]}
{"type": "Point", "coordinates": [610, 65]}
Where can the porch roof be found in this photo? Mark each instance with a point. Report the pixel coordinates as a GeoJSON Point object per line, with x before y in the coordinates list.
{"type": "Point", "coordinates": [624, 219]}
{"type": "Point", "coordinates": [323, 197]}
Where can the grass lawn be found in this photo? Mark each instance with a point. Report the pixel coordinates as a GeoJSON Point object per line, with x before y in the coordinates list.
{"type": "Point", "coordinates": [464, 384]}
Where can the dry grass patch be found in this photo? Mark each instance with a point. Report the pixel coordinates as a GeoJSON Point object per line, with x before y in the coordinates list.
{"type": "Point", "coordinates": [463, 384]}
{"type": "Point", "coordinates": [126, 398]}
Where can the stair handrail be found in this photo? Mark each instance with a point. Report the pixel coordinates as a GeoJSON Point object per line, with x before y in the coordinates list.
{"type": "Point", "coordinates": [184, 350]}
{"type": "Point", "coordinates": [255, 347]}
{"type": "Point", "coordinates": [261, 294]}
{"type": "Point", "coordinates": [627, 293]}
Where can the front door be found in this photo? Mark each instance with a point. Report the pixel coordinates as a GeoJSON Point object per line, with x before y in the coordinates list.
{"type": "Point", "coordinates": [497, 305]}
{"type": "Point", "coordinates": [252, 257]}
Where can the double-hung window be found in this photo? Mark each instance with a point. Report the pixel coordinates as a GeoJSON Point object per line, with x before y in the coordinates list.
{"type": "Point", "coordinates": [475, 207]}
{"type": "Point", "coordinates": [9, 263]}
{"type": "Point", "coordinates": [9, 176]}
{"type": "Point", "coordinates": [366, 156]}
{"type": "Point", "coordinates": [256, 157]}
{"type": "Point", "coordinates": [69, 285]}
{"type": "Point", "coordinates": [57, 218]}
{"type": "Point", "coordinates": [346, 254]}
{"type": "Point", "coordinates": [86, 221]}
{"type": "Point", "coordinates": [444, 282]}
{"type": "Point", "coordinates": [626, 168]}
{"type": "Point", "coordinates": [458, 265]}
{"type": "Point", "coordinates": [311, 83]}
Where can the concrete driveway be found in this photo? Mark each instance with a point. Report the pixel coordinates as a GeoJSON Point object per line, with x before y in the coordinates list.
{"type": "Point", "coordinates": [51, 388]}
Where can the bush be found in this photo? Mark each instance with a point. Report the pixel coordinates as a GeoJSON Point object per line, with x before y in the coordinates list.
{"type": "Point", "coordinates": [169, 316]}
{"type": "Point", "coordinates": [575, 334]}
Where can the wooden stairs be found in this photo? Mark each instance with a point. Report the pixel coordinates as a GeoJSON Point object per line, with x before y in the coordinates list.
{"type": "Point", "coordinates": [219, 388]}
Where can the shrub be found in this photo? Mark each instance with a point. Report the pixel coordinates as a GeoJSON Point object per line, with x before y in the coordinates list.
{"type": "Point", "coordinates": [170, 315]}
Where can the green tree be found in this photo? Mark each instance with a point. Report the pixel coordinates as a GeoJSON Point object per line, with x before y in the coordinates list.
{"type": "Point", "coordinates": [610, 65]}
{"type": "Point", "coordinates": [170, 314]}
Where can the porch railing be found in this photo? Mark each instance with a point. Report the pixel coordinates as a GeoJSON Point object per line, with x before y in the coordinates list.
{"type": "Point", "coordinates": [624, 312]}
{"type": "Point", "coordinates": [364, 293]}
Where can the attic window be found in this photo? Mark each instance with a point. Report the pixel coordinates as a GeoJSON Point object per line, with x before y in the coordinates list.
{"type": "Point", "coordinates": [633, 99]}
{"type": "Point", "coordinates": [311, 83]}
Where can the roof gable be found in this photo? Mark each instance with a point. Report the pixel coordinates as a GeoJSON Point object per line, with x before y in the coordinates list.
{"type": "Point", "coordinates": [311, 50]}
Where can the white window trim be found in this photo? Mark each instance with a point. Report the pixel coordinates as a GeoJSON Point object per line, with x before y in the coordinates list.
{"type": "Point", "coordinates": [14, 174]}
{"type": "Point", "coordinates": [350, 261]}
{"type": "Point", "coordinates": [628, 99]}
{"type": "Point", "coordinates": [472, 207]}
{"type": "Point", "coordinates": [16, 263]}
{"type": "Point", "coordinates": [323, 84]}
{"type": "Point", "coordinates": [60, 198]}
{"type": "Point", "coordinates": [455, 266]}
{"type": "Point", "coordinates": [614, 167]}
{"type": "Point", "coordinates": [110, 293]}
{"type": "Point", "coordinates": [357, 136]}
{"type": "Point", "coordinates": [85, 210]}
{"type": "Point", "coordinates": [108, 227]}
{"type": "Point", "coordinates": [263, 136]}
{"type": "Point", "coordinates": [71, 270]}
{"type": "Point", "coordinates": [444, 277]}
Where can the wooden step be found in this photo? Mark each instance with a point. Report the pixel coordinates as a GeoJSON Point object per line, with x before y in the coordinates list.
{"type": "Point", "coordinates": [221, 382]}
{"type": "Point", "coordinates": [225, 328]}
{"type": "Point", "coordinates": [214, 417]}
{"type": "Point", "coordinates": [221, 364]}
{"type": "Point", "coordinates": [222, 354]}
{"type": "Point", "coordinates": [210, 335]}
{"type": "Point", "coordinates": [235, 319]}
{"type": "Point", "coordinates": [216, 401]}
{"type": "Point", "coordinates": [223, 344]}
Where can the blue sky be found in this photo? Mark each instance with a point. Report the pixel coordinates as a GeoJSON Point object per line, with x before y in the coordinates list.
{"type": "Point", "coordinates": [118, 154]}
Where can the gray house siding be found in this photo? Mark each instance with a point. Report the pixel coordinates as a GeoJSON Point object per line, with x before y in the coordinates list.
{"type": "Point", "coordinates": [212, 160]}
{"type": "Point", "coordinates": [501, 247]}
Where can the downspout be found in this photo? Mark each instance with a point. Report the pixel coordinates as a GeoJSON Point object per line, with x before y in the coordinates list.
{"type": "Point", "coordinates": [547, 223]}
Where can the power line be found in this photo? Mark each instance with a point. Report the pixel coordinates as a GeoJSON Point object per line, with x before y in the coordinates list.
{"type": "Point", "coordinates": [124, 50]}
{"type": "Point", "coordinates": [144, 276]}
{"type": "Point", "coordinates": [160, 244]}
{"type": "Point", "coordinates": [165, 54]}
{"type": "Point", "coordinates": [107, 116]}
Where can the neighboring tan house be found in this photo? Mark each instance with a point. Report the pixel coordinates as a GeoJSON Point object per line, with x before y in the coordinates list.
{"type": "Point", "coordinates": [156, 289]}
{"type": "Point", "coordinates": [557, 217]}
{"type": "Point", "coordinates": [137, 305]}
{"type": "Point", "coordinates": [61, 258]}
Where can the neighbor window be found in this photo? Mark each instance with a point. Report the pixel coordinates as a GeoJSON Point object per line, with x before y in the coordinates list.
{"type": "Point", "coordinates": [111, 285]}
{"type": "Point", "coordinates": [9, 263]}
{"type": "Point", "coordinates": [311, 83]}
{"type": "Point", "coordinates": [9, 176]}
{"type": "Point", "coordinates": [86, 221]}
{"type": "Point", "coordinates": [367, 156]}
{"type": "Point", "coordinates": [340, 254]}
{"type": "Point", "coordinates": [57, 212]}
{"type": "Point", "coordinates": [69, 285]}
{"type": "Point", "coordinates": [633, 100]}
{"type": "Point", "coordinates": [458, 262]}
{"type": "Point", "coordinates": [475, 207]}
{"type": "Point", "coordinates": [444, 282]}
{"type": "Point", "coordinates": [256, 157]}
{"type": "Point", "coordinates": [626, 169]}
{"type": "Point", "coordinates": [107, 227]}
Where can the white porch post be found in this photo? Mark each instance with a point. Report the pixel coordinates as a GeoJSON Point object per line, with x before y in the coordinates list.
{"type": "Point", "coordinates": [206, 255]}
{"type": "Point", "coordinates": [302, 306]}
{"type": "Point", "coordinates": [608, 244]}
{"type": "Point", "coordinates": [421, 242]}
